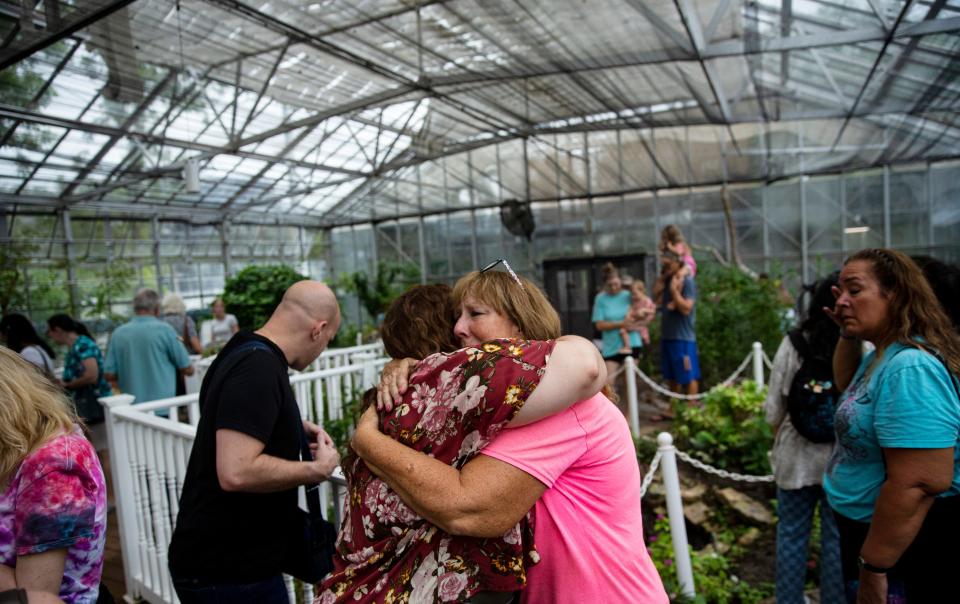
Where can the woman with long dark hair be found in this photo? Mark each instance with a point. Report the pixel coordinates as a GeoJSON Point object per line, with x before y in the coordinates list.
{"type": "Point", "coordinates": [798, 463]}
{"type": "Point", "coordinates": [894, 478]}
{"type": "Point", "coordinates": [82, 367]}
{"type": "Point", "coordinates": [22, 338]}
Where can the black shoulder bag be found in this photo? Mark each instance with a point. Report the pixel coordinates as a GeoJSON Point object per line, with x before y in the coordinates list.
{"type": "Point", "coordinates": [310, 549]}
{"type": "Point", "coordinates": [309, 556]}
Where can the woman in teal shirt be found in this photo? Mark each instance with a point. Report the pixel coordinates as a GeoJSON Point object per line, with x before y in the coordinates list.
{"type": "Point", "coordinates": [894, 476]}
{"type": "Point", "coordinates": [610, 309]}
{"type": "Point", "coordinates": [82, 368]}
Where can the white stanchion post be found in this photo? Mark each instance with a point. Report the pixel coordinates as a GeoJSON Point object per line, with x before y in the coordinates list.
{"type": "Point", "coordinates": [291, 590]}
{"type": "Point", "coordinates": [630, 368]}
{"type": "Point", "coordinates": [758, 364]}
{"type": "Point", "coordinates": [359, 338]}
{"type": "Point", "coordinates": [122, 490]}
{"type": "Point", "coordinates": [678, 527]}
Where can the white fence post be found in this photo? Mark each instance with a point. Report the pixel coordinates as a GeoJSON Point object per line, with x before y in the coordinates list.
{"type": "Point", "coordinates": [678, 527]}
{"type": "Point", "coordinates": [758, 364]}
{"type": "Point", "coordinates": [122, 489]}
{"type": "Point", "coordinates": [369, 379]}
{"type": "Point", "coordinates": [630, 367]}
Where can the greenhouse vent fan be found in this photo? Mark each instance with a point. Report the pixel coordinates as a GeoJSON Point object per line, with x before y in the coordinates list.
{"type": "Point", "coordinates": [517, 218]}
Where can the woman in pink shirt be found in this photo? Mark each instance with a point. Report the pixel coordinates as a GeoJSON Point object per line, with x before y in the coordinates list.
{"type": "Point", "coordinates": [577, 469]}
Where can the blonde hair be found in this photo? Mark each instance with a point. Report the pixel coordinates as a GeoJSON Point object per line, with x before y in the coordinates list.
{"type": "Point", "coordinates": [32, 411]}
{"type": "Point", "coordinates": [527, 307]}
{"type": "Point", "coordinates": [638, 286]}
{"type": "Point", "coordinates": [173, 305]}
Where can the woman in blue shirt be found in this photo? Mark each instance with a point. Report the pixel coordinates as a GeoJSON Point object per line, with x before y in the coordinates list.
{"type": "Point", "coordinates": [610, 309]}
{"type": "Point", "coordinates": [894, 476]}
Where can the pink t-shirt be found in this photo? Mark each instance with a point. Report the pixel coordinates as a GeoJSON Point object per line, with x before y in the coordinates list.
{"type": "Point", "coordinates": [589, 529]}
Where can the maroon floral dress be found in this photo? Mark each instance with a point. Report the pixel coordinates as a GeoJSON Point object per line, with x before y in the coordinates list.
{"type": "Point", "coordinates": [455, 405]}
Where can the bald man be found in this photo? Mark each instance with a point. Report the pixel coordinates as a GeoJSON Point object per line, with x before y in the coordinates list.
{"type": "Point", "coordinates": [238, 511]}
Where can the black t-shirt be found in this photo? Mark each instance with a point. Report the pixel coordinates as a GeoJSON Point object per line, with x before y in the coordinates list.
{"type": "Point", "coordinates": [239, 537]}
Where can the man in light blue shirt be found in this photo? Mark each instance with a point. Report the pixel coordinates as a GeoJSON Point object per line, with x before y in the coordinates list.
{"type": "Point", "coordinates": [145, 355]}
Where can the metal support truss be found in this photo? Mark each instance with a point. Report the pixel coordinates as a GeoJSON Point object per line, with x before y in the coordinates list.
{"type": "Point", "coordinates": [30, 40]}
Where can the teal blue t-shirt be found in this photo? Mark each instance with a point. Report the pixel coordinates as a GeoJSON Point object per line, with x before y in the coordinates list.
{"type": "Point", "coordinates": [144, 354]}
{"type": "Point", "coordinates": [907, 402]}
{"type": "Point", "coordinates": [607, 307]}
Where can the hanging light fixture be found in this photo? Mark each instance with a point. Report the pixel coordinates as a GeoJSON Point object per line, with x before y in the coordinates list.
{"type": "Point", "coordinates": [191, 175]}
{"type": "Point", "coordinates": [191, 167]}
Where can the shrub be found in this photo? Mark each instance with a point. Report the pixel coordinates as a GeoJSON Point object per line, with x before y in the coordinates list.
{"type": "Point", "coordinates": [734, 310]}
{"type": "Point", "coordinates": [728, 430]}
{"type": "Point", "coordinates": [253, 293]}
{"type": "Point", "coordinates": [375, 295]}
{"type": "Point", "coordinates": [713, 580]}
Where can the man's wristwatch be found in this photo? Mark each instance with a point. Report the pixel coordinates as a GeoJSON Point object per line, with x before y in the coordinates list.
{"type": "Point", "coordinates": [879, 570]}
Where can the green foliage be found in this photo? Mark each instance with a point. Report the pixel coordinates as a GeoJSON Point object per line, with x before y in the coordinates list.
{"type": "Point", "coordinates": [376, 294]}
{"type": "Point", "coordinates": [734, 310]}
{"type": "Point", "coordinates": [114, 282]}
{"type": "Point", "coordinates": [13, 256]}
{"type": "Point", "coordinates": [341, 429]}
{"type": "Point", "coordinates": [253, 293]}
{"type": "Point", "coordinates": [728, 430]}
{"type": "Point", "coordinates": [18, 87]}
{"type": "Point", "coordinates": [713, 580]}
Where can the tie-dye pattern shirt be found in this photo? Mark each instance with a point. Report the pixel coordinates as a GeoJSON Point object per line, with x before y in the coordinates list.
{"type": "Point", "coordinates": [57, 499]}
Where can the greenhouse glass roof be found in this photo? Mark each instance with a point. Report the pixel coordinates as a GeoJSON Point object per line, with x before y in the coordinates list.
{"type": "Point", "coordinates": [338, 112]}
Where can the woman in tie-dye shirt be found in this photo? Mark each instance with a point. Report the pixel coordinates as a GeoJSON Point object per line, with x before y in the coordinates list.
{"type": "Point", "coordinates": [53, 512]}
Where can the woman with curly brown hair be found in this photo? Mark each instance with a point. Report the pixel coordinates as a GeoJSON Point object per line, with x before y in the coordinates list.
{"type": "Point", "coordinates": [894, 478]}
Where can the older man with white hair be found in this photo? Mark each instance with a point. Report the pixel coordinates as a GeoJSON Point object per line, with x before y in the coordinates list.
{"type": "Point", "coordinates": [144, 354]}
{"type": "Point", "coordinates": [238, 510]}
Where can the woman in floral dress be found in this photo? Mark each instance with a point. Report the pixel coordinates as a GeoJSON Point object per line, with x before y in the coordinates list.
{"type": "Point", "coordinates": [576, 468]}
{"type": "Point", "coordinates": [457, 403]}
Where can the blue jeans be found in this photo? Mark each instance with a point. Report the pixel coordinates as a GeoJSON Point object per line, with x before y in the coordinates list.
{"type": "Point", "coordinates": [796, 508]}
{"type": "Point", "coordinates": [270, 591]}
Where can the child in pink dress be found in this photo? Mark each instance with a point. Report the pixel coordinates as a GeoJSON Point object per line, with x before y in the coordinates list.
{"type": "Point", "coordinates": [642, 311]}
{"type": "Point", "coordinates": [671, 239]}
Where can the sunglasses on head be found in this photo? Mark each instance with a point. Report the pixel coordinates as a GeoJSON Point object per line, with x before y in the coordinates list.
{"type": "Point", "coordinates": [507, 266]}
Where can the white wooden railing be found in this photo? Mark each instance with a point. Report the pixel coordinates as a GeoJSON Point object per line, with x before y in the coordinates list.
{"type": "Point", "coordinates": [331, 358]}
{"type": "Point", "coordinates": [149, 456]}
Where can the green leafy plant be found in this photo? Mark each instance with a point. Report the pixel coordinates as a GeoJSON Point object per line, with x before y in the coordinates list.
{"type": "Point", "coordinates": [114, 281]}
{"type": "Point", "coordinates": [734, 310]}
{"type": "Point", "coordinates": [253, 293]}
{"type": "Point", "coordinates": [341, 429]}
{"type": "Point", "coordinates": [713, 579]}
{"type": "Point", "coordinates": [13, 256]}
{"type": "Point", "coordinates": [375, 294]}
{"type": "Point", "coordinates": [728, 429]}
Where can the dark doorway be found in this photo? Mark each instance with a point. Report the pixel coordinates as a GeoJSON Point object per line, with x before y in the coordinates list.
{"type": "Point", "coordinates": [572, 283]}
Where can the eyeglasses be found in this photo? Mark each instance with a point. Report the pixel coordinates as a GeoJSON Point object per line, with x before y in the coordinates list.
{"type": "Point", "coordinates": [507, 266]}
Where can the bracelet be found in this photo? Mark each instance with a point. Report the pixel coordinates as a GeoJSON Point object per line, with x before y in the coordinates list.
{"type": "Point", "coordinates": [878, 570]}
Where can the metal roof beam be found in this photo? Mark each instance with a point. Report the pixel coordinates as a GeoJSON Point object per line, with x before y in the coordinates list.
{"type": "Point", "coordinates": [727, 48]}
{"type": "Point", "coordinates": [30, 40]}
{"type": "Point", "coordinates": [123, 130]}
{"type": "Point", "coordinates": [209, 150]}
{"type": "Point", "coordinates": [876, 63]}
